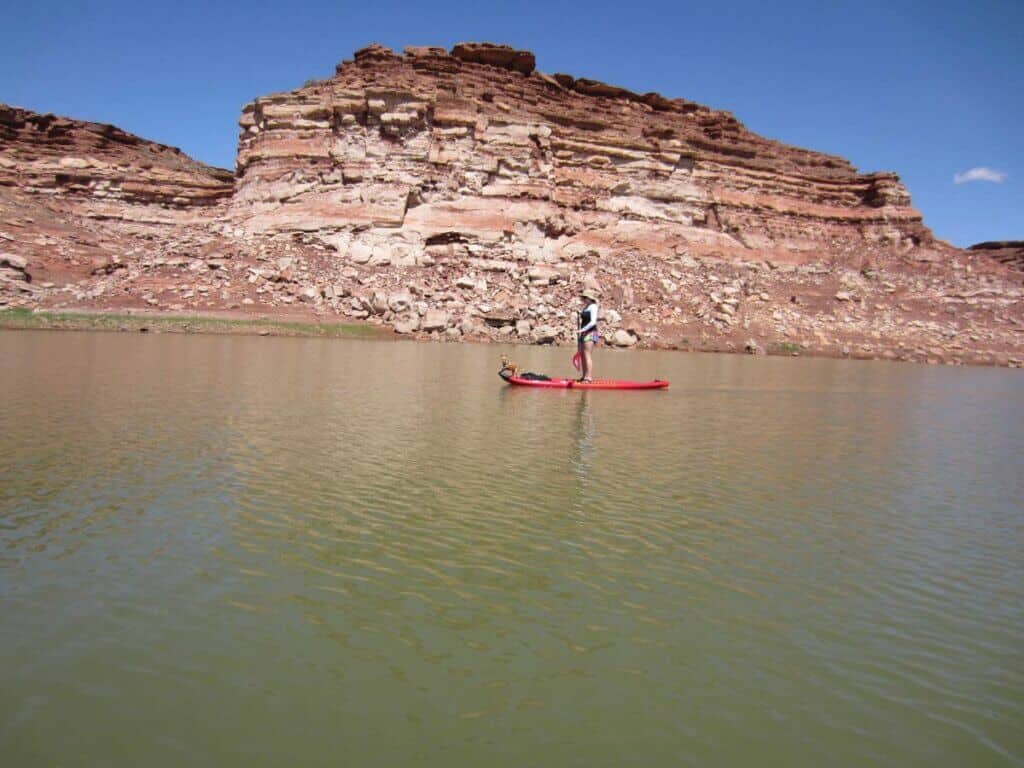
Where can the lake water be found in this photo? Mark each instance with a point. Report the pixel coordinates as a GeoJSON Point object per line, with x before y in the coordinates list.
{"type": "Point", "coordinates": [270, 551]}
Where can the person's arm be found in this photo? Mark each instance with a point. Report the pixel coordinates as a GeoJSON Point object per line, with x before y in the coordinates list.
{"type": "Point", "coordinates": [592, 319]}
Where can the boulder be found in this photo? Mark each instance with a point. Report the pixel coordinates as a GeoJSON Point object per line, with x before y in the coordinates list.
{"type": "Point", "coordinates": [399, 302]}
{"type": "Point", "coordinates": [591, 284]}
{"type": "Point", "coordinates": [540, 275]}
{"type": "Point", "coordinates": [623, 338]}
{"type": "Point", "coordinates": [14, 261]}
{"type": "Point", "coordinates": [360, 253]}
{"type": "Point", "coordinates": [435, 320]}
{"type": "Point", "coordinates": [498, 318]}
{"type": "Point", "coordinates": [379, 303]}
{"type": "Point", "coordinates": [576, 250]}
{"type": "Point", "coordinates": [545, 334]}
{"type": "Point", "coordinates": [407, 325]}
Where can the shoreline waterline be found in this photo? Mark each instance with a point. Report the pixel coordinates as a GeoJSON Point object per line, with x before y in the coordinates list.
{"type": "Point", "coordinates": [303, 325]}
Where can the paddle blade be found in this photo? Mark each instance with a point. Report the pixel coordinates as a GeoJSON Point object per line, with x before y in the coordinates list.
{"type": "Point", "coordinates": [576, 361]}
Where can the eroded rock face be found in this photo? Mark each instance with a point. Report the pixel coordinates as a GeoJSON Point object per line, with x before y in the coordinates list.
{"type": "Point", "coordinates": [83, 200]}
{"type": "Point", "coordinates": [477, 146]}
{"type": "Point", "coordinates": [503, 56]}
{"type": "Point", "coordinates": [1009, 252]}
{"type": "Point", "coordinates": [59, 157]}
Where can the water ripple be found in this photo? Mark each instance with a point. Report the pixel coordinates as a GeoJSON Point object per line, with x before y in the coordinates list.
{"type": "Point", "coordinates": [389, 554]}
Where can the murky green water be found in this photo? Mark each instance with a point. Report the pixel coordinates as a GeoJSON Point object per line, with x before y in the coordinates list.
{"type": "Point", "coordinates": [253, 551]}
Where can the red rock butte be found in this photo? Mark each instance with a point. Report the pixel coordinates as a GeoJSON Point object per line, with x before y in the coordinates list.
{"type": "Point", "coordinates": [464, 194]}
{"type": "Point", "coordinates": [478, 145]}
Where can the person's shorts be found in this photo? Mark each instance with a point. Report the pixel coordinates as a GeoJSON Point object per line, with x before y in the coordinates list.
{"type": "Point", "coordinates": [593, 336]}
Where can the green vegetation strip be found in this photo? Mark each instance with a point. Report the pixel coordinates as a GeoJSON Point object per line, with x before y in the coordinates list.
{"type": "Point", "coordinates": [18, 318]}
{"type": "Point", "coordinates": [784, 348]}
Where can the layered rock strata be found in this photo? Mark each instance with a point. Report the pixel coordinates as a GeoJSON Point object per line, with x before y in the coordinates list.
{"type": "Point", "coordinates": [80, 199]}
{"type": "Point", "coordinates": [476, 146]}
{"type": "Point", "coordinates": [106, 170]}
{"type": "Point", "coordinates": [1009, 252]}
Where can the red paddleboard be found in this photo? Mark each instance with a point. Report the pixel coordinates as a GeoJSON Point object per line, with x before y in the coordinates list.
{"type": "Point", "coordinates": [596, 384]}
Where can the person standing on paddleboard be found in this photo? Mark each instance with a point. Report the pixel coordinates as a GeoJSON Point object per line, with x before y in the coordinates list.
{"type": "Point", "coordinates": [587, 335]}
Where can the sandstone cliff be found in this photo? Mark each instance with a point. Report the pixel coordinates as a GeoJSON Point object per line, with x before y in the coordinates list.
{"type": "Point", "coordinates": [80, 199]}
{"type": "Point", "coordinates": [479, 147]}
{"type": "Point", "coordinates": [465, 195]}
{"type": "Point", "coordinates": [1009, 252]}
{"type": "Point", "coordinates": [113, 170]}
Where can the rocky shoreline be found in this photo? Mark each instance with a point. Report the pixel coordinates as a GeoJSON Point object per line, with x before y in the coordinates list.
{"type": "Point", "coordinates": [240, 324]}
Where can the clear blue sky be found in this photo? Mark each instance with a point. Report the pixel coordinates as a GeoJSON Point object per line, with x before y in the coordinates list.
{"type": "Point", "coordinates": [926, 88]}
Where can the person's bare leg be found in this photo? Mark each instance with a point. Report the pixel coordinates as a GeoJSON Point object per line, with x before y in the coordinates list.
{"type": "Point", "coordinates": [588, 363]}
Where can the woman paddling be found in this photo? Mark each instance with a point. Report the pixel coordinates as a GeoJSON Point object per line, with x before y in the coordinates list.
{"type": "Point", "coordinates": [587, 336]}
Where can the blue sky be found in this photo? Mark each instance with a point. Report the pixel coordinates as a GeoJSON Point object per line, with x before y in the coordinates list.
{"type": "Point", "coordinates": [928, 89]}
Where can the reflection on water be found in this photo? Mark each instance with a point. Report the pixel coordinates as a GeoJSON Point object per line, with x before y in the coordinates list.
{"type": "Point", "coordinates": [585, 431]}
{"type": "Point", "coordinates": [245, 550]}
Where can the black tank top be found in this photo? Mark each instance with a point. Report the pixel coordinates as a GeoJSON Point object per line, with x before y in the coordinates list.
{"type": "Point", "coordinates": [585, 317]}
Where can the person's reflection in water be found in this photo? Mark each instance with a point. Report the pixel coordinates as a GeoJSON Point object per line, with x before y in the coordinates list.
{"type": "Point", "coordinates": [582, 457]}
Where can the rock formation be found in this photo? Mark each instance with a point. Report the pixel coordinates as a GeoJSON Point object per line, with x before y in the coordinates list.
{"type": "Point", "coordinates": [478, 147]}
{"type": "Point", "coordinates": [1009, 252]}
{"type": "Point", "coordinates": [465, 194]}
{"type": "Point", "coordinates": [108, 171]}
{"type": "Point", "coordinates": [78, 198]}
